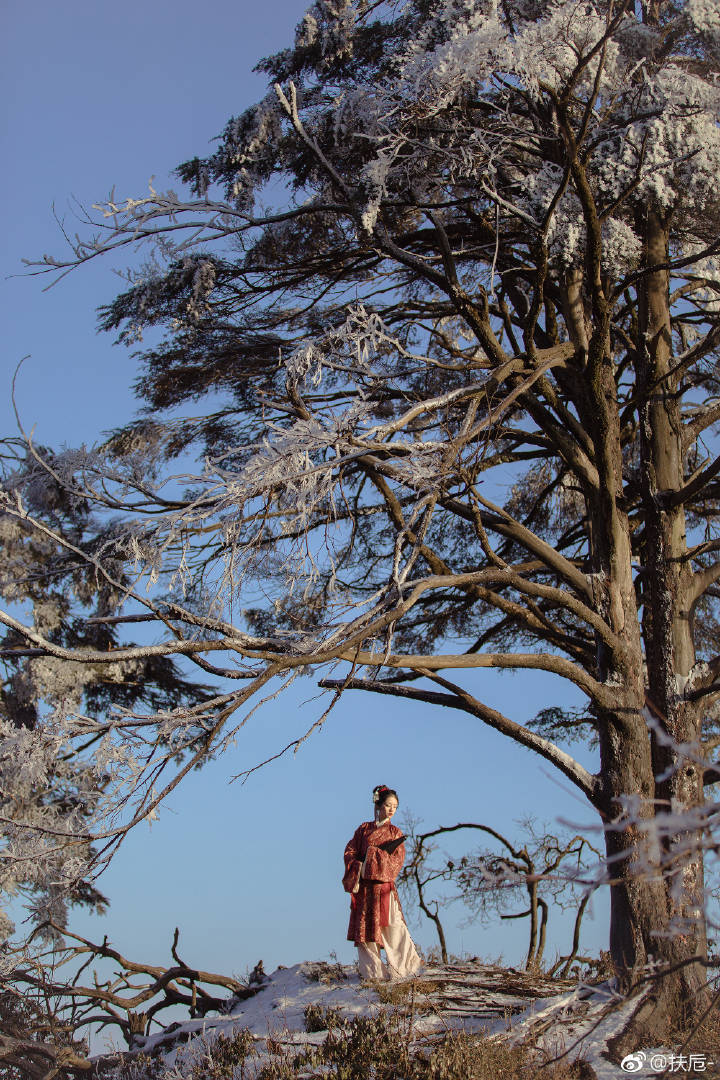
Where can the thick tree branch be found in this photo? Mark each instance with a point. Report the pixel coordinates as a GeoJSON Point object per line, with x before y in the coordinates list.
{"type": "Point", "coordinates": [458, 698]}
{"type": "Point", "coordinates": [702, 580]}
{"type": "Point", "coordinates": [671, 499]}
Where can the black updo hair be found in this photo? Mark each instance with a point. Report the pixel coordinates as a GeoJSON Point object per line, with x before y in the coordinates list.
{"type": "Point", "coordinates": [382, 793]}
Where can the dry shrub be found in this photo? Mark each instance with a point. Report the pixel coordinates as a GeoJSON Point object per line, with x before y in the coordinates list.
{"type": "Point", "coordinates": [380, 1047]}
{"type": "Point", "coordinates": [224, 1055]}
{"type": "Point", "coordinates": [402, 992]}
{"type": "Point", "coordinates": [376, 1046]}
{"type": "Point", "coordinates": [473, 1057]}
{"type": "Point", "coordinates": [479, 1057]}
{"type": "Point", "coordinates": [705, 1040]}
{"type": "Point", "coordinates": [321, 971]}
{"type": "Point", "coordinates": [138, 1067]}
{"type": "Point", "coordinates": [322, 1018]}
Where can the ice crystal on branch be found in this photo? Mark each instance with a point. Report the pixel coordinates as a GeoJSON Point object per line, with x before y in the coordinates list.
{"type": "Point", "coordinates": [705, 17]}
{"type": "Point", "coordinates": [455, 399]}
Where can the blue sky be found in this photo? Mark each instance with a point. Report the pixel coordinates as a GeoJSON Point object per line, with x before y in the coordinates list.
{"type": "Point", "coordinates": [101, 95]}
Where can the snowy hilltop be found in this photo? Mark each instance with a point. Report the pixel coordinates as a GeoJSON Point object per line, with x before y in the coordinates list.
{"type": "Point", "coordinates": [454, 1021]}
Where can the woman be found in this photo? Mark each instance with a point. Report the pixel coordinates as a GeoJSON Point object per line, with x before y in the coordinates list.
{"type": "Point", "coordinates": [373, 859]}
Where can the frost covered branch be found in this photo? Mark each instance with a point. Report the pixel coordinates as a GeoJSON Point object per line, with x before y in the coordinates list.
{"type": "Point", "coordinates": [454, 403]}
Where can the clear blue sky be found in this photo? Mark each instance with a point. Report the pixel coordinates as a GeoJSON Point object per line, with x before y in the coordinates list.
{"type": "Point", "coordinates": [99, 94]}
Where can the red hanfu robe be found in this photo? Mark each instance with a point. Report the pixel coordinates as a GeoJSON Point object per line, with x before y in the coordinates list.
{"type": "Point", "coordinates": [369, 906]}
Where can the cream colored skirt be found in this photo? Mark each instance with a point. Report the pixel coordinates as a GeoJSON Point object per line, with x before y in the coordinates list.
{"type": "Point", "coordinates": [400, 952]}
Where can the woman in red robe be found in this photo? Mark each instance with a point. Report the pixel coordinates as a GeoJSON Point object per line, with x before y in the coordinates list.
{"type": "Point", "coordinates": [373, 859]}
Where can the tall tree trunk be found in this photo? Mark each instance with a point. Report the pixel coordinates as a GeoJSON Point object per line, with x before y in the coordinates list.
{"type": "Point", "coordinates": [641, 926]}
{"type": "Point", "coordinates": [637, 901]}
{"type": "Point", "coordinates": [667, 609]}
{"type": "Point", "coordinates": [645, 902]}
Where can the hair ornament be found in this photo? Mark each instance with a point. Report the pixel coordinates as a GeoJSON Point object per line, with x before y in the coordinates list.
{"type": "Point", "coordinates": [379, 792]}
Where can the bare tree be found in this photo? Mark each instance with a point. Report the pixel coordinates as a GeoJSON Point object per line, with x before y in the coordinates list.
{"type": "Point", "coordinates": [116, 1000]}
{"type": "Point", "coordinates": [464, 393]}
{"type": "Point", "coordinates": [488, 882]}
{"type": "Point", "coordinates": [43, 1018]}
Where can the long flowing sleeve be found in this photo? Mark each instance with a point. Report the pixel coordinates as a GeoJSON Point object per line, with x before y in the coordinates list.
{"type": "Point", "coordinates": [353, 863]}
{"type": "Point", "coordinates": [383, 865]}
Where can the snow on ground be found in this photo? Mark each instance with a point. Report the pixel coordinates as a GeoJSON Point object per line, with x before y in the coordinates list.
{"type": "Point", "coordinates": [562, 1017]}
